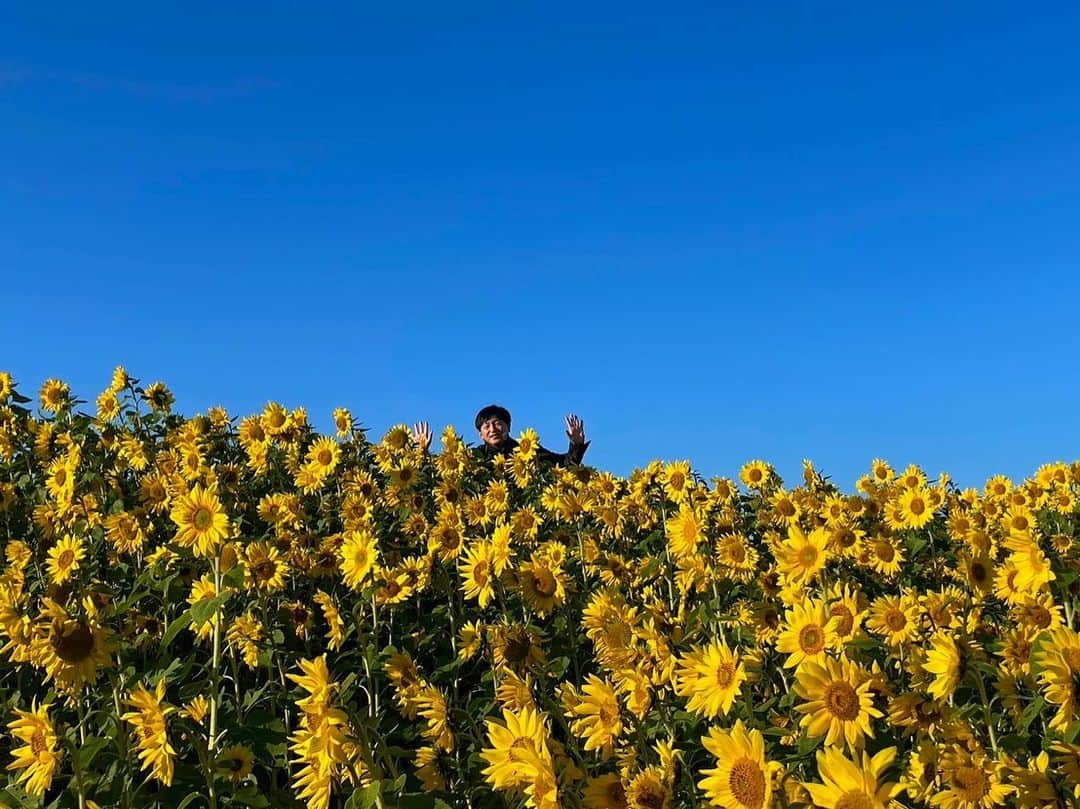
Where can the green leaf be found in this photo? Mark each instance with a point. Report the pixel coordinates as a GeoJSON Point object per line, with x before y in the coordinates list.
{"type": "Point", "coordinates": [204, 610]}
{"type": "Point", "coordinates": [1029, 714]}
{"type": "Point", "coordinates": [88, 750]}
{"type": "Point", "coordinates": [180, 623]}
{"type": "Point", "coordinates": [250, 796]}
{"type": "Point", "coordinates": [234, 578]}
{"type": "Point", "coordinates": [188, 800]}
{"type": "Point", "coordinates": [365, 797]}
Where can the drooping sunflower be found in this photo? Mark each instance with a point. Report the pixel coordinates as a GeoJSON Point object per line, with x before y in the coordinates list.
{"type": "Point", "coordinates": [839, 704]}
{"type": "Point", "coordinates": [64, 559]}
{"type": "Point", "coordinates": [741, 779]}
{"type": "Point", "coordinates": [201, 522]}
{"type": "Point", "coordinates": [148, 719]}
{"type": "Point", "coordinates": [357, 557]}
{"type": "Point", "coordinates": [849, 785]}
{"type": "Point", "coordinates": [39, 755]}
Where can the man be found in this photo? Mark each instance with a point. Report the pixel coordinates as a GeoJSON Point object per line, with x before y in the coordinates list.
{"type": "Point", "coordinates": [493, 425]}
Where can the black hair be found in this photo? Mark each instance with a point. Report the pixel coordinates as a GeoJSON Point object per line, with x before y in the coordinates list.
{"type": "Point", "coordinates": [493, 410]}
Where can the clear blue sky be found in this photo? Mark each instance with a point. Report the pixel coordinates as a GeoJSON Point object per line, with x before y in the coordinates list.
{"type": "Point", "coordinates": [716, 231]}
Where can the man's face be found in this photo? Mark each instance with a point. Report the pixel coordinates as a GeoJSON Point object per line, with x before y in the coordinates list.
{"type": "Point", "coordinates": [494, 431]}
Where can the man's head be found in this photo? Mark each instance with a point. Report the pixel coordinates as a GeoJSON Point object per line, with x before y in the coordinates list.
{"type": "Point", "coordinates": [493, 422]}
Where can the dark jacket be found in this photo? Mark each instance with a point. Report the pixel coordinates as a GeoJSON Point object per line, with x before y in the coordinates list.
{"type": "Point", "coordinates": [572, 457]}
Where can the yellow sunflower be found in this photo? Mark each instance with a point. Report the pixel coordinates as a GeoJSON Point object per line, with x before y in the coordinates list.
{"type": "Point", "coordinates": [808, 632]}
{"type": "Point", "coordinates": [478, 573]}
{"type": "Point", "coordinates": [802, 556]}
{"type": "Point", "coordinates": [741, 779]}
{"type": "Point", "coordinates": [838, 704]}
{"type": "Point", "coordinates": [915, 507]}
{"type": "Point", "coordinates": [357, 557]}
{"type": "Point", "coordinates": [684, 532]}
{"type": "Point", "coordinates": [150, 729]}
{"type": "Point", "coordinates": [896, 618]}
{"type": "Point", "coordinates": [264, 568]}
{"type": "Point", "coordinates": [710, 678]}
{"type": "Point", "coordinates": [39, 755]}
{"type": "Point", "coordinates": [599, 716]}
{"type": "Point", "coordinates": [847, 785]}
{"type": "Point", "coordinates": [755, 474]}
{"type": "Point", "coordinates": [542, 584]}
{"type": "Point", "coordinates": [201, 522]}
{"type": "Point", "coordinates": [64, 558]}
{"type": "Point", "coordinates": [516, 744]}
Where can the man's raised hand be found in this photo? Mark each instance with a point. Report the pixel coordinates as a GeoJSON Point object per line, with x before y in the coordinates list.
{"type": "Point", "coordinates": [575, 430]}
{"type": "Point", "coordinates": [422, 435]}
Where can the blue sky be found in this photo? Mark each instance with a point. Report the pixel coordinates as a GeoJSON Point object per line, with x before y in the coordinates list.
{"type": "Point", "coordinates": [716, 231]}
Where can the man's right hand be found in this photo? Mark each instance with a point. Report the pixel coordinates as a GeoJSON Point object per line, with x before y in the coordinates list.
{"type": "Point", "coordinates": [422, 435]}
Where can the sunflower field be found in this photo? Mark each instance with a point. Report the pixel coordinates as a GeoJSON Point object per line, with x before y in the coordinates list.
{"type": "Point", "coordinates": [218, 611]}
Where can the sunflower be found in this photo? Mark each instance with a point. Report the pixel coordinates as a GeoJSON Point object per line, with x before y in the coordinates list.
{"type": "Point", "coordinates": [599, 714]}
{"type": "Point", "coordinates": [755, 474]}
{"type": "Point", "coordinates": [264, 568]}
{"type": "Point", "coordinates": [324, 455]}
{"type": "Point", "coordinates": [477, 573]}
{"type": "Point", "coordinates": [54, 395]}
{"type": "Point", "coordinates": [1032, 567]}
{"type": "Point", "coordinates": [432, 706]}
{"type": "Point", "coordinates": [235, 762]}
{"type": "Point", "coordinates": [846, 605]}
{"type": "Point", "coordinates": [60, 480]}
{"type": "Point", "coordinates": [244, 635]}
{"type": "Point", "coordinates": [684, 532]}
{"type": "Point", "coordinates": [885, 556]}
{"type": "Point", "coordinates": [946, 663]}
{"type": "Point", "coordinates": [201, 522]}
{"type": "Point", "coordinates": [335, 634]}
{"type": "Point", "coordinates": [275, 419]}
{"type": "Point", "coordinates": [516, 646]}
{"type": "Point", "coordinates": [527, 444]}
{"type": "Point", "coordinates": [847, 785]}
{"type": "Point", "coordinates": [648, 790]}
{"type": "Point", "coordinates": [801, 557]}
{"type": "Point", "coordinates": [357, 557]}
{"type": "Point", "coordinates": [895, 618]}
{"type": "Point", "coordinates": [148, 719]}
{"type": "Point", "coordinates": [710, 678]}
{"type": "Point", "coordinates": [838, 704]}
{"type": "Point", "coordinates": [915, 507]}
{"type": "Point", "coordinates": [542, 584]}
{"type": "Point", "coordinates": [1056, 657]}
{"type": "Point", "coordinates": [64, 558]}
{"type": "Point", "coordinates": [38, 757]}
{"type": "Point", "coordinates": [809, 631]}
{"type": "Point", "coordinates": [741, 779]}
{"type": "Point", "coordinates": [785, 508]}
{"type": "Point", "coordinates": [518, 746]}
{"type": "Point", "coordinates": [880, 471]}
{"type": "Point", "coordinates": [159, 397]}
{"type": "Point", "coordinates": [71, 650]}
{"type": "Point", "coordinates": [968, 780]}
{"type": "Point", "coordinates": [605, 792]}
